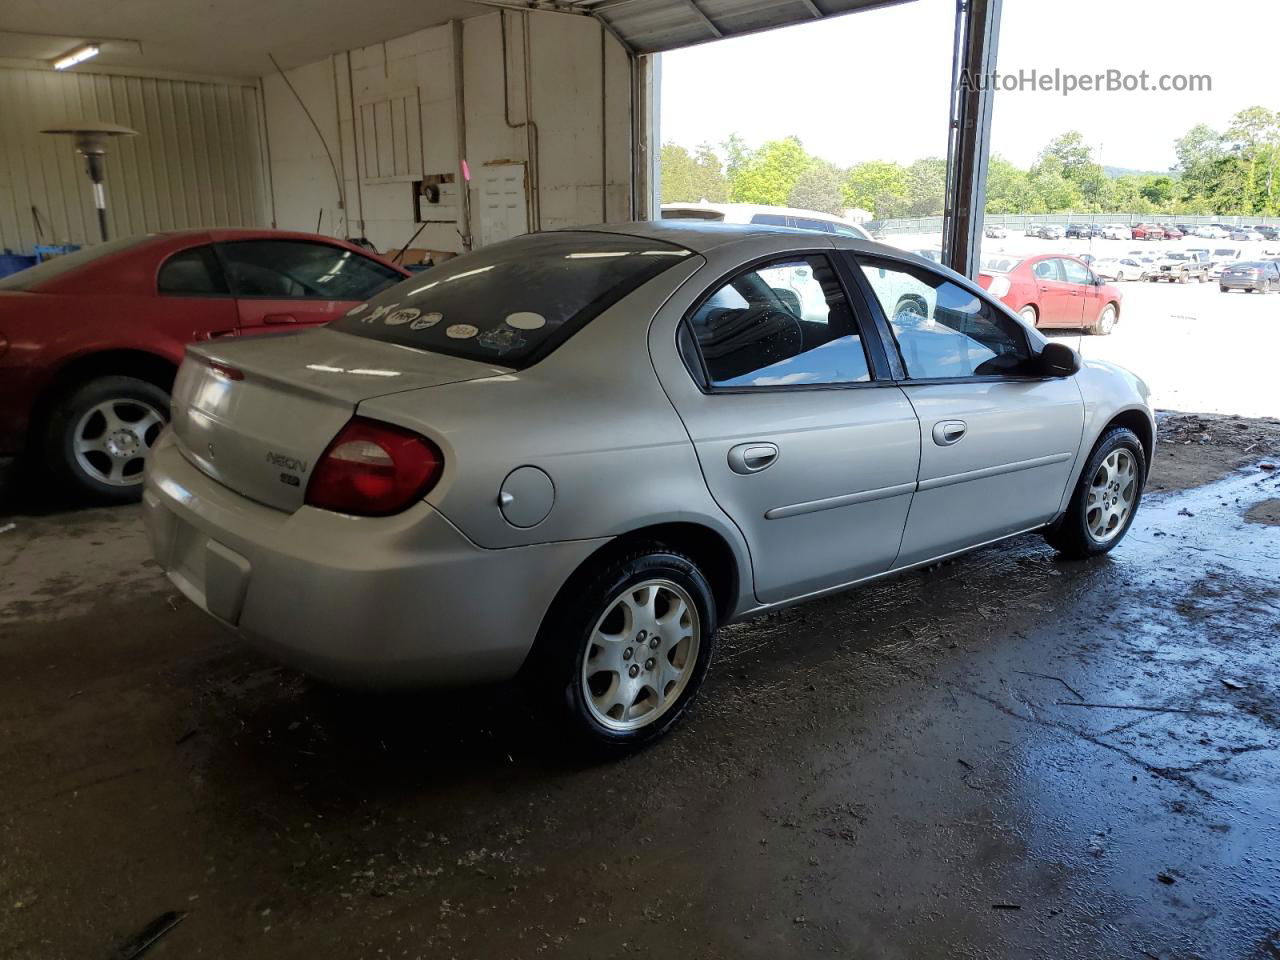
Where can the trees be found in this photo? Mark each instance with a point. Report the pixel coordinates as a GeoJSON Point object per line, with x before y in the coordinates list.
{"type": "Point", "coordinates": [877, 186]}
{"type": "Point", "coordinates": [769, 174]}
{"type": "Point", "coordinates": [1231, 171]}
{"type": "Point", "coordinates": [689, 178]}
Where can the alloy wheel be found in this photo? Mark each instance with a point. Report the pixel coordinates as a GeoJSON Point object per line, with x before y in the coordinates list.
{"type": "Point", "coordinates": [641, 654]}
{"type": "Point", "coordinates": [1112, 493]}
{"type": "Point", "coordinates": [113, 438]}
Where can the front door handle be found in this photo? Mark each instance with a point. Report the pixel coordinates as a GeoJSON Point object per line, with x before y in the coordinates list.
{"type": "Point", "coordinates": [748, 458]}
{"type": "Point", "coordinates": [947, 432]}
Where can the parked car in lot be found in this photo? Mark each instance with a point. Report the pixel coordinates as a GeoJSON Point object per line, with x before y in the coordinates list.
{"type": "Point", "coordinates": [1119, 268]}
{"type": "Point", "coordinates": [1049, 231]}
{"type": "Point", "coordinates": [1172, 232]}
{"type": "Point", "coordinates": [1179, 266]}
{"type": "Point", "coordinates": [511, 492]}
{"type": "Point", "coordinates": [1147, 231]}
{"type": "Point", "coordinates": [1116, 231]}
{"type": "Point", "coordinates": [1268, 233]}
{"type": "Point", "coordinates": [1261, 276]}
{"type": "Point", "coordinates": [1210, 232]}
{"type": "Point", "coordinates": [90, 341]}
{"type": "Point", "coordinates": [763, 215]}
{"type": "Point", "coordinates": [1083, 231]}
{"type": "Point", "coordinates": [1246, 233]}
{"type": "Point", "coordinates": [1053, 291]}
{"type": "Point", "coordinates": [994, 231]}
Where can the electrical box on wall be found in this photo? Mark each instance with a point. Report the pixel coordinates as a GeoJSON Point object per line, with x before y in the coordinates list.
{"type": "Point", "coordinates": [435, 199]}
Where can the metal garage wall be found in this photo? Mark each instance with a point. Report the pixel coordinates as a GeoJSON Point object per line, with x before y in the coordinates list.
{"type": "Point", "coordinates": [389, 115]}
{"type": "Point", "coordinates": [196, 162]}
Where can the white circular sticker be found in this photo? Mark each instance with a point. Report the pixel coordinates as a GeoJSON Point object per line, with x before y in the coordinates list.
{"type": "Point", "coordinates": [461, 331]}
{"type": "Point", "coordinates": [382, 311]}
{"type": "Point", "coordinates": [426, 320]}
{"type": "Point", "coordinates": [360, 309]}
{"type": "Point", "coordinates": [527, 321]}
{"type": "Point", "coordinates": [403, 315]}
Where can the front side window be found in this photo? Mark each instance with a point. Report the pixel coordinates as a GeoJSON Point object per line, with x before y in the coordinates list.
{"type": "Point", "coordinates": [512, 303]}
{"type": "Point", "coordinates": [289, 269]}
{"type": "Point", "coordinates": [787, 323]}
{"type": "Point", "coordinates": [194, 272]}
{"type": "Point", "coordinates": [943, 330]}
{"type": "Point", "coordinates": [1076, 272]}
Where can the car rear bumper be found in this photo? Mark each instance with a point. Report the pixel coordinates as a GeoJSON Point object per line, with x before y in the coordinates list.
{"type": "Point", "coordinates": [1240, 283]}
{"type": "Point", "coordinates": [364, 601]}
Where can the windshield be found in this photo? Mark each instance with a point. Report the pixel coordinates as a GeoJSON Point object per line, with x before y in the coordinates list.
{"type": "Point", "coordinates": [34, 277]}
{"type": "Point", "coordinates": [512, 303]}
{"type": "Point", "coordinates": [997, 264]}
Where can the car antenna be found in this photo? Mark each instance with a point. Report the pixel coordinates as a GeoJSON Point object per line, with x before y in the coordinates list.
{"type": "Point", "coordinates": [396, 258]}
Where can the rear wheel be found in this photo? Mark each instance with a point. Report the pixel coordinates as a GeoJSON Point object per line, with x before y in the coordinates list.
{"type": "Point", "coordinates": [1029, 314]}
{"type": "Point", "coordinates": [1222, 289]}
{"type": "Point", "coordinates": [622, 658]}
{"type": "Point", "coordinates": [100, 435]}
{"type": "Point", "coordinates": [1106, 497]}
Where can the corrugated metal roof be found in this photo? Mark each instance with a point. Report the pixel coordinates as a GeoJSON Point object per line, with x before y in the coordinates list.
{"type": "Point", "coordinates": [653, 26]}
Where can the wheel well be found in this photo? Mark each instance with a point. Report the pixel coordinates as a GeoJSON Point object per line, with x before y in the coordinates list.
{"type": "Point", "coordinates": [109, 363]}
{"type": "Point", "coordinates": [1136, 421]}
{"type": "Point", "coordinates": [705, 547]}
{"type": "Point", "coordinates": [1114, 304]}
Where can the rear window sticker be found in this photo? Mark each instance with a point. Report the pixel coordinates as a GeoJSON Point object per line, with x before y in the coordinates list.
{"type": "Point", "coordinates": [527, 321]}
{"type": "Point", "coordinates": [502, 339]}
{"type": "Point", "coordinates": [426, 320]}
{"type": "Point", "coordinates": [403, 315]}
{"type": "Point", "coordinates": [461, 331]}
{"type": "Point", "coordinates": [360, 309]}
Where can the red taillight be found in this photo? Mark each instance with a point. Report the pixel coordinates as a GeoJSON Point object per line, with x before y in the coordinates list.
{"type": "Point", "coordinates": [373, 469]}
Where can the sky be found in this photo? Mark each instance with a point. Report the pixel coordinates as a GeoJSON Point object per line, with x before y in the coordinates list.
{"type": "Point", "coordinates": [873, 85]}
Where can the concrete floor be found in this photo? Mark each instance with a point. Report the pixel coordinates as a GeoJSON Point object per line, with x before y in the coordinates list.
{"type": "Point", "coordinates": [1007, 756]}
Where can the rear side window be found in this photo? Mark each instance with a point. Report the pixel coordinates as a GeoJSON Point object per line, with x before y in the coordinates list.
{"type": "Point", "coordinates": [808, 223]}
{"type": "Point", "coordinates": [514, 302]}
{"type": "Point", "coordinates": [193, 272]}
{"type": "Point", "coordinates": [288, 269]}
{"type": "Point", "coordinates": [769, 219]}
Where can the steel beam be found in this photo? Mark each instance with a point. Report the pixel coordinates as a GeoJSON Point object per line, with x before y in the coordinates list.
{"type": "Point", "coordinates": [969, 144]}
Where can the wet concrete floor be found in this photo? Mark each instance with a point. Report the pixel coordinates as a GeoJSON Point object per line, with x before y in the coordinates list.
{"type": "Point", "coordinates": [1005, 756]}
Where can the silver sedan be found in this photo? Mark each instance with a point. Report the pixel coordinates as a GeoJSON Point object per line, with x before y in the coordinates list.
{"type": "Point", "coordinates": [571, 456]}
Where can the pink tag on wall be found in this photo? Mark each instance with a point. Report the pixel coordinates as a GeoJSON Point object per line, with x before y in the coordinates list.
{"type": "Point", "coordinates": [466, 172]}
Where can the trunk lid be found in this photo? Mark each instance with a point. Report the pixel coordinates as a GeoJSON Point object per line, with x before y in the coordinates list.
{"type": "Point", "coordinates": [256, 414]}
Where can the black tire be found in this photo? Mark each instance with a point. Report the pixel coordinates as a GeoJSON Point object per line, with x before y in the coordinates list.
{"type": "Point", "coordinates": [60, 437]}
{"type": "Point", "coordinates": [556, 663]}
{"type": "Point", "coordinates": [1070, 536]}
{"type": "Point", "coordinates": [1222, 289]}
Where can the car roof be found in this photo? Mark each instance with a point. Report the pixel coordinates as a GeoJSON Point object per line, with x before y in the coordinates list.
{"type": "Point", "coordinates": [703, 236]}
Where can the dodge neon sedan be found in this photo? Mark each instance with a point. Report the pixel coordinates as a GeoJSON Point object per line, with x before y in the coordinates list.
{"type": "Point", "coordinates": [572, 455]}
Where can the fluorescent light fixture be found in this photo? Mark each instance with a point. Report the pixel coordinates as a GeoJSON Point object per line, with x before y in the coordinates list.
{"type": "Point", "coordinates": [78, 55]}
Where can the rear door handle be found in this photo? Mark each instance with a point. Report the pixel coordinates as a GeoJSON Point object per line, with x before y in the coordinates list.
{"type": "Point", "coordinates": [748, 458]}
{"type": "Point", "coordinates": [947, 432]}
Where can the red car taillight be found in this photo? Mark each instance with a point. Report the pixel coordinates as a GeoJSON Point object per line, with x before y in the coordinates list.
{"type": "Point", "coordinates": [373, 469]}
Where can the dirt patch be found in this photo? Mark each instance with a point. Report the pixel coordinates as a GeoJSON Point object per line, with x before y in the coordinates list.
{"type": "Point", "coordinates": [1267, 512]}
{"type": "Point", "coordinates": [1196, 448]}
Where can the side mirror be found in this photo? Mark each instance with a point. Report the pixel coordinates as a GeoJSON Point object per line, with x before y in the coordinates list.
{"type": "Point", "coordinates": [1058, 360]}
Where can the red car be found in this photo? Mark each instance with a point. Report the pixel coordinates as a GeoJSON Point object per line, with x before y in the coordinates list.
{"type": "Point", "coordinates": [1053, 291]}
{"type": "Point", "coordinates": [1147, 231]}
{"type": "Point", "coordinates": [90, 341]}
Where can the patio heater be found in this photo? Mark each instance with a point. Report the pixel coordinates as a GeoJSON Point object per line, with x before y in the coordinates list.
{"type": "Point", "coordinates": [91, 143]}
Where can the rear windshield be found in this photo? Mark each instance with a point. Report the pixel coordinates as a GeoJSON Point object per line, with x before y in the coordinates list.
{"type": "Point", "coordinates": [33, 277]}
{"type": "Point", "coordinates": [997, 264]}
{"type": "Point", "coordinates": [512, 303]}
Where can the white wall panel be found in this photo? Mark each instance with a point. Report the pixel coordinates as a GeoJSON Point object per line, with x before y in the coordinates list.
{"type": "Point", "coordinates": [196, 162]}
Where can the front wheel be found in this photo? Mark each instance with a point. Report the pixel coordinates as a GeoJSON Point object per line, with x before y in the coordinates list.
{"type": "Point", "coordinates": [1106, 497]}
{"type": "Point", "coordinates": [100, 434]}
{"type": "Point", "coordinates": [623, 657]}
{"type": "Point", "coordinates": [1106, 321]}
